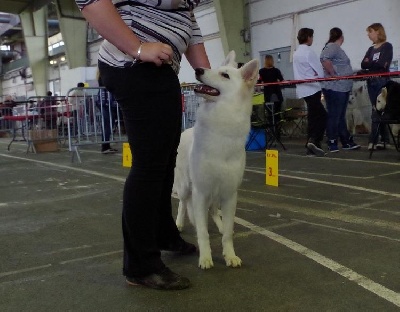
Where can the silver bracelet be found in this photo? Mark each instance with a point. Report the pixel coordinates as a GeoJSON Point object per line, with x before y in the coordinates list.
{"type": "Point", "coordinates": [139, 51]}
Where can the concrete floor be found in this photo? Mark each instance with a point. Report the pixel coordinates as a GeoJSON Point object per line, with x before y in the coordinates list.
{"type": "Point", "coordinates": [326, 239]}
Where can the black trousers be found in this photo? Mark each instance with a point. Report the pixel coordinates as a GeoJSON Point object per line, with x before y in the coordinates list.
{"type": "Point", "coordinates": [316, 117]}
{"type": "Point", "coordinates": [150, 99]}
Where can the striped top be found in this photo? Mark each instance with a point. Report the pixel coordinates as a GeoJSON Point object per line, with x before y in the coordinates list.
{"type": "Point", "coordinates": [168, 21]}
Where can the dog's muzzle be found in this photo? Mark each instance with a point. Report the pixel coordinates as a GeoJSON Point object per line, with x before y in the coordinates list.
{"type": "Point", "coordinates": [204, 89]}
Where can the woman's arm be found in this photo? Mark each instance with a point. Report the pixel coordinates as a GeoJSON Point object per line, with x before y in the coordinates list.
{"type": "Point", "coordinates": [385, 58]}
{"type": "Point", "coordinates": [104, 17]}
{"type": "Point", "coordinates": [366, 62]}
{"type": "Point", "coordinates": [315, 64]}
{"type": "Point", "coordinates": [197, 56]}
{"type": "Point", "coordinates": [328, 66]}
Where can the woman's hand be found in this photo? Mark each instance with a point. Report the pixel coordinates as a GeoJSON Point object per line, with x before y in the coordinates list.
{"type": "Point", "coordinates": [155, 52]}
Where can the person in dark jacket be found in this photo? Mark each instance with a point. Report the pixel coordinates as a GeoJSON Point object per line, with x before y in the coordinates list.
{"type": "Point", "coordinates": [377, 60]}
{"type": "Point", "coordinates": [273, 93]}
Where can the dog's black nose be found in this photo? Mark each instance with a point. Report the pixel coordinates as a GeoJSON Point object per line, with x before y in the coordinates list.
{"type": "Point", "coordinates": [199, 71]}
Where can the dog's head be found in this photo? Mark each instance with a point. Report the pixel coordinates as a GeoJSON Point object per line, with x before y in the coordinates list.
{"type": "Point", "coordinates": [381, 100]}
{"type": "Point", "coordinates": [227, 80]}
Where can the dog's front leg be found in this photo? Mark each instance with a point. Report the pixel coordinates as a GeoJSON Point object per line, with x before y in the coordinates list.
{"type": "Point", "coordinates": [228, 209]}
{"type": "Point", "coordinates": [180, 218]}
{"type": "Point", "coordinates": [200, 208]}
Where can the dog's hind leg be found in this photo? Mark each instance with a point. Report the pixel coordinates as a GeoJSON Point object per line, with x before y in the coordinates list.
{"type": "Point", "coordinates": [200, 211]}
{"type": "Point", "coordinates": [216, 216]}
{"type": "Point", "coordinates": [228, 209]}
{"type": "Point", "coordinates": [180, 218]}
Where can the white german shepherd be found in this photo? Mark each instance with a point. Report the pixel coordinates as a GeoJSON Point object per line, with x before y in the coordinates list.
{"type": "Point", "coordinates": [211, 155]}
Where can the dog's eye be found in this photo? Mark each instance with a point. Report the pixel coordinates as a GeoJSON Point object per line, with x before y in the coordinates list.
{"type": "Point", "coordinates": [225, 75]}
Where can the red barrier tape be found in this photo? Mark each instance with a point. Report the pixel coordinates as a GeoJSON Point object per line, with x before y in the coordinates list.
{"type": "Point", "coordinates": [352, 77]}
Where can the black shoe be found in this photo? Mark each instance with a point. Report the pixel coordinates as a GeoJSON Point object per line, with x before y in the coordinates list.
{"type": "Point", "coordinates": [318, 151]}
{"type": "Point", "coordinates": [181, 247]}
{"type": "Point", "coordinates": [310, 153]}
{"type": "Point", "coordinates": [164, 280]}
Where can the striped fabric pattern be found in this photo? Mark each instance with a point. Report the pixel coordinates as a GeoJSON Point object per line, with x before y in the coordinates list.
{"type": "Point", "coordinates": [168, 21]}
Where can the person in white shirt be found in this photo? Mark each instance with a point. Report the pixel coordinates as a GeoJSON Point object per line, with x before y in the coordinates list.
{"type": "Point", "coordinates": [307, 65]}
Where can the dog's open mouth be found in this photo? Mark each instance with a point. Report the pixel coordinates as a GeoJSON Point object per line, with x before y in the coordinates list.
{"type": "Point", "coordinates": [204, 89]}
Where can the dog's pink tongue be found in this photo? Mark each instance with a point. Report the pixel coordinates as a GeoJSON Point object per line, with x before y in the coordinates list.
{"type": "Point", "coordinates": [204, 89]}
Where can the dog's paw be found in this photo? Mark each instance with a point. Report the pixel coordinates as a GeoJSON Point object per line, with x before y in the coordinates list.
{"type": "Point", "coordinates": [180, 227]}
{"type": "Point", "coordinates": [205, 263]}
{"type": "Point", "coordinates": [234, 262]}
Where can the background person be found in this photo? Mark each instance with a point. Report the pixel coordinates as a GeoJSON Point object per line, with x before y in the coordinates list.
{"type": "Point", "coordinates": [76, 99]}
{"type": "Point", "coordinates": [108, 110]}
{"type": "Point", "coordinates": [306, 65]}
{"type": "Point", "coordinates": [336, 93]}
{"type": "Point", "coordinates": [269, 73]}
{"type": "Point", "coordinates": [139, 65]}
{"type": "Point", "coordinates": [377, 60]}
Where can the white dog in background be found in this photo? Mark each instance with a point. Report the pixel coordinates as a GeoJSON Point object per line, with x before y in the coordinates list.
{"type": "Point", "coordinates": [211, 155]}
{"type": "Point", "coordinates": [358, 114]}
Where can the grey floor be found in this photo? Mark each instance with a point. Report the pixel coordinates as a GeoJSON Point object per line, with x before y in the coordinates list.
{"type": "Point", "coordinates": [326, 239]}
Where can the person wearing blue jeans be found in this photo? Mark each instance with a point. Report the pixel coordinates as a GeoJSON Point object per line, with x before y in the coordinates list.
{"type": "Point", "coordinates": [107, 106]}
{"type": "Point", "coordinates": [336, 104]}
{"type": "Point", "coordinates": [336, 92]}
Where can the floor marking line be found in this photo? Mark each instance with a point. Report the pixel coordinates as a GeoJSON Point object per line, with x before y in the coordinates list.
{"type": "Point", "coordinates": [96, 173]}
{"type": "Point", "coordinates": [25, 270]}
{"type": "Point", "coordinates": [353, 187]}
{"type": "Point", "coordinates": [91, 257]}
{"type": "Point", "coordinates": [106, 254]}
{"type": "Point", "coordinates": [340, 229]}
{"type": "Point", "coordinates": [363, 281]}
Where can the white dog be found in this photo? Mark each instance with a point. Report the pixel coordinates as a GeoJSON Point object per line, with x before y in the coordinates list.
{"type": "Point", "coordinates": [388, 101]}
{"type": "Point", "coordinates": [211, 155]}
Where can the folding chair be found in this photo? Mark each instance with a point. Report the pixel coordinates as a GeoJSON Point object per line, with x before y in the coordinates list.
{"type": "Point", "coordinates": [272, 128]}
{"type": "Point", "coordinates": [296, 114]}
{"type": "Point", "coordinates": [257, 136]}
{"type": "Point", "coordinates": [383, 122]}
{"type": "Point", "coordinates": [264, 130]}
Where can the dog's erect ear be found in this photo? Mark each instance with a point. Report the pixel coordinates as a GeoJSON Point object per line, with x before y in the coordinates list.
{"type": "Point", "coordinates": [384, 93]}
{"type": "Point", "coordinates": [250, 70]}
{"type": "Point", "coordinates": [230, 59]}
{"type": "Point", "coordinates": [381, 100]}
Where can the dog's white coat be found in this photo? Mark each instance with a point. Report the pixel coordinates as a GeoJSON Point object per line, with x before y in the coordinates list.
{"type": "Point", "coordinates": [380, 106]}
{"type": "Point", "coordinates": [211, 156]}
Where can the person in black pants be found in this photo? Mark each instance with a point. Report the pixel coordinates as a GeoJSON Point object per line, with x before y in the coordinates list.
{"type": "Point", "coordinates": [139, 62]}
{"type": "Point", "coordinates": [270, 74]}
{"type": "Point", "coordinates": [307, 65]}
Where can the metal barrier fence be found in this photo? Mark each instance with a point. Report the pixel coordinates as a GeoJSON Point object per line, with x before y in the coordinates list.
{"type": "Point", "coordinates": [93, 117]}
{"type": "Point", "coordinates": [85, 116]}
{"type": "Point", "coordinates": [32, 121]}
{"type": "Point", "coordinates": [190, 103]}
